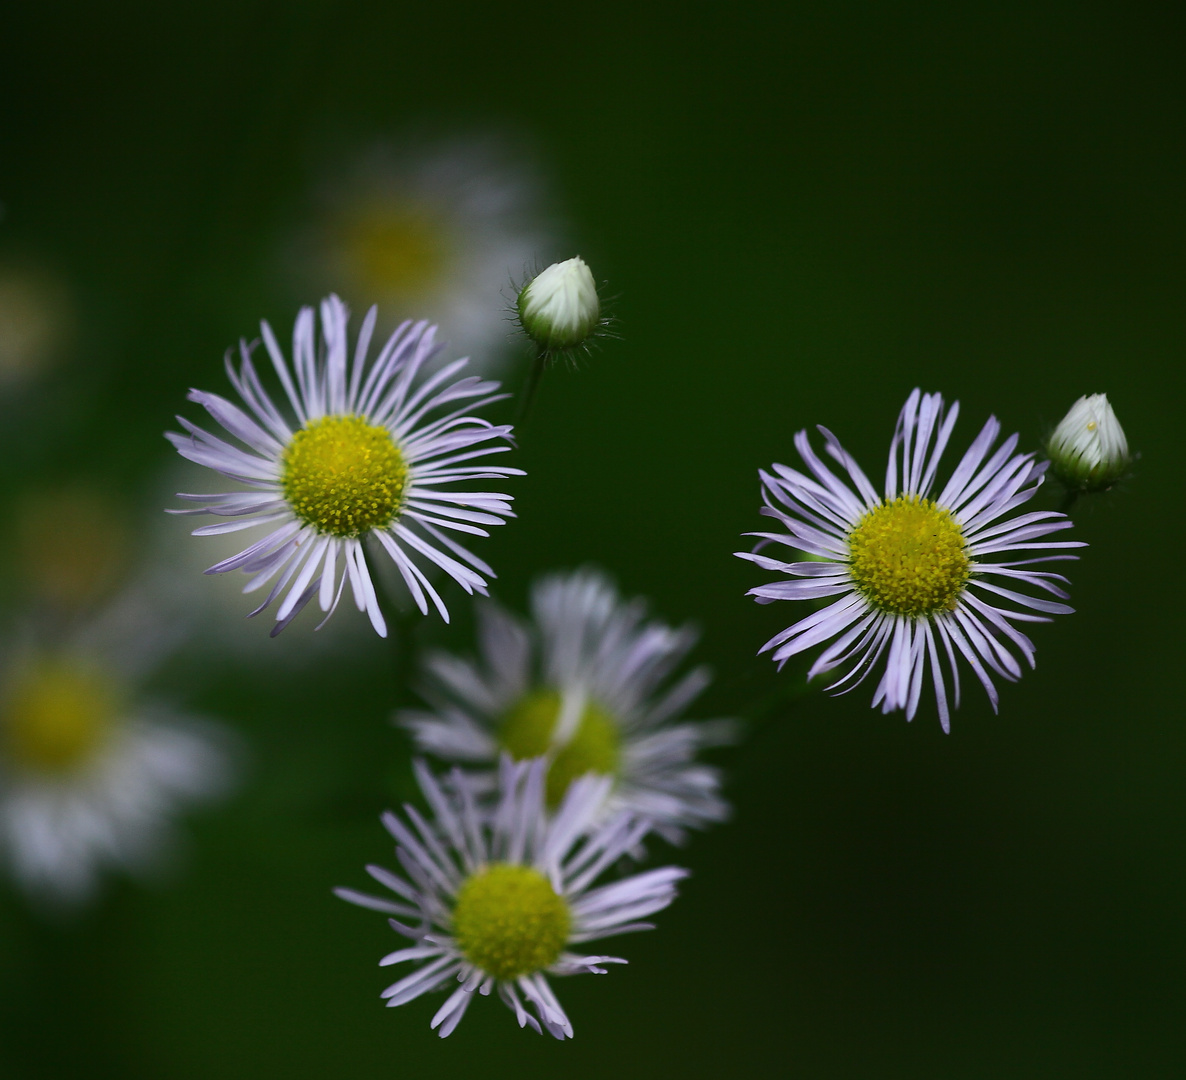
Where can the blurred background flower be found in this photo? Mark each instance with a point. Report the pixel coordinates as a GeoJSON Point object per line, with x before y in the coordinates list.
{"type": "Point", "coordinates": [91, 775]}
{"type": "Point", "coordinates": [591, 683]}
{"type": "Point", "coordinates": [435, 226]}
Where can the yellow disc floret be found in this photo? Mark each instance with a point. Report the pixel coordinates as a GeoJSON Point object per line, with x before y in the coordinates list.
{"type": "Point", "coordinates": [509, 922]}
{"type": "Point", "coordinates": [908, 557]}
{"type": "Point", "coordinates": [344, 476]}
{"type": "Point", "coordinates": [56, 716]}
{"type": "Point", "coordinates": [528, 730]}
{"type": "Point", "coordinates": [394, 248]}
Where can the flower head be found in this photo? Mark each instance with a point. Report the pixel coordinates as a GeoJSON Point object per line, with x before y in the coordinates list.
{"type": "Point", "coordinates": [587, 685]}
{"type": "Point", "coordinates": [497, 900]}
{"type": "Point", "coordinates": [432, 227]}
{"type": "Point", "coordinates": [915, 575]}
{"type": "Point", "coordinates": [559, 308]}
{"type": "Point", "coordinates": [365, 460]}
{"type": "Point", "coordinates": [90, 774]}
{"type": "Point", "coordinates": [1088, 450]}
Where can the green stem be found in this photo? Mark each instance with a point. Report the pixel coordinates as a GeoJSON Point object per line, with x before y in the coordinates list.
{"type": "Point", "coordinates": [532, 385]}
{"type": "Point", "coordinates": [1068, 500]}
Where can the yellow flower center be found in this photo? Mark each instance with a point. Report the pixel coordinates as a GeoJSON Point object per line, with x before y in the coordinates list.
{"type": "Point", "coordinates": [528, 730]}
{"type": "Point", "coordinates": [394, 248]}
{"type": "Point", "coordinates": [908, 557]}
{"type": "Point", "coordinates": [57, 715]}
{"type": "Point", "coordinates": [508, 920]}
{"type": "Point", "coordinates": [344, 476]}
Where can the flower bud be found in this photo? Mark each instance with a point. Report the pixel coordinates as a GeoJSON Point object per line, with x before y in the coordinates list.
{"type": "Point", "coordinates": [1088, 450]}
{"type": "Point", "coordinates": [559, 308]}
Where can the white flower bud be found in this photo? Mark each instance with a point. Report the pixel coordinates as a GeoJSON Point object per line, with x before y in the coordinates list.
{"type": "Point", "coordinates": [559, 308]}
{"type": "Point", "coordinates": [1088, 450]}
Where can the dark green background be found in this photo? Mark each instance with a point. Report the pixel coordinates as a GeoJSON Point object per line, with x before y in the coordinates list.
{"type": "Point", "coordinates": [805, 213]}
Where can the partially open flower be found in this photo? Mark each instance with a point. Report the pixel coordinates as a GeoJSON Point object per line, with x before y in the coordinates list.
{"type": "Point", "coordinates": [559, 309]}
{"type": "Point", "coordinates": [1088, 450]}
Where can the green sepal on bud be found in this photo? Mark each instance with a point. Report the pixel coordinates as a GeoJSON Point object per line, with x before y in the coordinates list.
{"type": "Point", "coordinates": [559, 308]}
{"type": "Point", "coordinates": [1088, 451]}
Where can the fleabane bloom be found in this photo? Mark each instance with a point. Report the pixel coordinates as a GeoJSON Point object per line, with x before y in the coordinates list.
{"type": "Point", "coordinates": [373, 455]}
{"type": "Point", "coordinates": [917, 577]}
{"type": "Point", "coordinates": [93, 774]}
{"type": "Point", "coordinates": [588, 684]}
{"type": "Point", "coordinates": [429, 226]}
{"type": "Point", "coordinates": [559, 308]}
{"type": "Point", "coordinates": [499, 900]}
{"type": "Point", "coordinates": [1088, 450]}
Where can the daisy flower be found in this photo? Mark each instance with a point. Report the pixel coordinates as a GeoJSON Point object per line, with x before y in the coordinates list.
{"type": "Point", "coordinates": [91, 775]}
{"type": "Point", "coordinates": [436, 228]}
{"type": "Point", "coordinates": [497, 900]}
{"type": "Point", "coordinates": [587, 686]}
{"type": "Point", "coordinates": [364, 460]}
{"type": "Point", "coordinates": [917, 577]}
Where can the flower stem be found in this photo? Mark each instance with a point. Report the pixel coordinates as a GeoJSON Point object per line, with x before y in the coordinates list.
{"type": "Point", "coordinates": [1068, 500]}
{"type": "Point", "coordinates": [531, 385]}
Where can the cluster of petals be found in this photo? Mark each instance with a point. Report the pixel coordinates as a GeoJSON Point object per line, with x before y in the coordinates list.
{"type": "Point", "coordinates": [587, 644]}
{"type": "Point", "coordinates": [116, 807]}
{"type": "Point", "coordinates": [571, 848]}
{"type": "Point", "coordinates": [819, 512]}
{"type": "Point", "coordinates": [395, 392]}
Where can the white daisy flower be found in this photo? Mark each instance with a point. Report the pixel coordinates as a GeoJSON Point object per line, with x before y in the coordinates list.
{"type": "Point", "coordinates": [587, 686]}
{"type": "Point", "coordinates": [363, 461]}
{"type": "Point", "coordinates": [497, 901]}
{"type": "Point", "coordinates": [439, 228]}
{"type": "Point", "coordinates": [916, 575]}
{"type": "Point", "coordinates": [91, 775]}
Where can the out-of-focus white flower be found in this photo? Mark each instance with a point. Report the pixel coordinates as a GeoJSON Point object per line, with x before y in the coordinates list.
{"type": "Point", "coordinates": [438, 229]}
{"type": "Point", "coordinates": [589, 684]}
{"type": "Point", "coordinates": [36, 318]}
{"type": "Point", "coordinates": [496, 900]}
{"type": "Point", "coordinates": [559, 308]}
{"type": "Point", "coordinates": [91, 775]}
{"type": "Point", "coordinates": [1088, 450]}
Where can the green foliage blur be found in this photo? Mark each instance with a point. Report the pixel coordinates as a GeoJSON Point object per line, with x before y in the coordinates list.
{"type": "Point", "coordinates": [804, 212]}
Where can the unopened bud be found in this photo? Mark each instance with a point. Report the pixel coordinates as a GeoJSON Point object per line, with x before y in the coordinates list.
{"type": "Point", "coordinates": [1088, 450]}
{"type": "Point", "coordinates": [559, 308]}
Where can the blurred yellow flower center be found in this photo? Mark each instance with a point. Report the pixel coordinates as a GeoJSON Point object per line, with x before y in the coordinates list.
{"type": "Point", "coordinates": [394, 248]}
{"type": "Point", "coordinates": [508, 920]}
{"type": "Point", "coordinates": [56, 716]}
{"type": "Point", "coordinates": [344, 476]}
{"type": "Point", "coordinates": [907, 557]}
{"type": "Point", "coordinates": [529, 728]}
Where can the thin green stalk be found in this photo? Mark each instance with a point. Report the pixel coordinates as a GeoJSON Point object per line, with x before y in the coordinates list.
{"type": "Point", "coordinates": [531, 386]}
